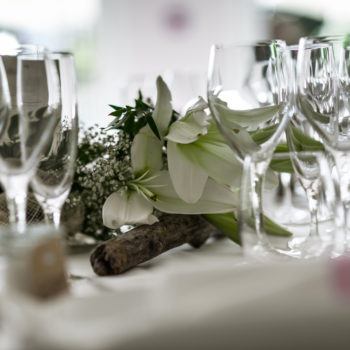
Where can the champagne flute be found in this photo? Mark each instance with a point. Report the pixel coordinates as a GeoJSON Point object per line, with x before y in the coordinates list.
{"type": "Point", "coordinates": [54, 177]}
{"type": "Point", "coordinates": [31, 121]}
{"type": "Point", "coordinates": [248, 95]}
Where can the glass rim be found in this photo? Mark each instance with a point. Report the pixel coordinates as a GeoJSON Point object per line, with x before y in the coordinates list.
{"type": "Point", "coordinates": [249, 44]}
{"type": "Point", "coordinates": [317, 46]}
{"type": "Point", "coordinates": [327, 38]}
{"type": "Point", "coordinates": [16, 50]}
{"type": "Point", "coordinates": [60, 53]}
{"type": "Point", "coordinates": [294, 47]}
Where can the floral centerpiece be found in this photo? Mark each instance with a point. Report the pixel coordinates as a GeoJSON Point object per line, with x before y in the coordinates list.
{"type": "Point", "coordinates": [150, 160]}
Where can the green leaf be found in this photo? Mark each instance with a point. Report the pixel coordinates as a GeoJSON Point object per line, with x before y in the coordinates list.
{"type": "Point", "coordinates": [303, 142]}
{"type": "Point", "coordinates": [116, 113]}
{"type": "Point", "coordinates": [282, 165]}
{"type": "Point", "coordinates": [260, 136]}
{"type": "Point", "coordinates": [310, 113]}
{"type": "Point", "coordinates": [282, 147]}
{"type": "Point", "coordinates": [132, 119]}
{"type": "Point", "coordinates": [274, 229]}
{"type": "Point", "coordinates": [116, 108]}
{"type": "Point", "coordinates": [153, 126]}
{"type": "Point", "coordinates": [228, 225]}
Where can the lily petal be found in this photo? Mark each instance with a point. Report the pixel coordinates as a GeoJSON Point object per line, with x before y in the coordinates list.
{"type": "Point", "coordinates": [217, 160]}
{"type": "Point", "coordinates": [182, 132]}
{"type": "Point", "coordinates": [246, 118]}
{"type": "Point", "coordinates": [125, 208]}
{"type": "Point", "coordinates": [215, 198]}
{"type": "Point", "coordinates": [188, 179]}
{"type": "Point", "coordinates": [146, 151]}
{"type": "Point", "coordinates": [163, 109]}
{"type": "Point", "coordinates": [194, 124]}
{"type": "Point", "coordinates": [199, 105]}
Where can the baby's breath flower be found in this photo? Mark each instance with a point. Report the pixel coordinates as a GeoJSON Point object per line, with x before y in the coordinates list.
{"type": "Point", "coordinates": [103, 167]}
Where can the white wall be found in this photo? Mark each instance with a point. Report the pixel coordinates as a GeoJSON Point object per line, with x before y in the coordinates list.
{"type": "Point", "coordinates": [136, 42]}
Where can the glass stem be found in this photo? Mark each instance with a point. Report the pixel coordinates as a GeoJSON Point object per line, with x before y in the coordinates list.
{"type": "Point", "coordinates": [53, 215]}
{"type": "Point", "coordinates": [313, 208]}
{"type": "Point", "coordinates": [257, 183]}
{"type": "Point", "coordinates": [346, 225]}
{"type": "Point", "coordinates": [16, 188]}
{"type": "Point", "coordinates": [342, 160]}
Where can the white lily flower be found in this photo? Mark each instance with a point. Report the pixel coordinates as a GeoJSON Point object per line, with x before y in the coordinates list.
{"type": "Point", "coordinates": [146, 149]}
{"type": "Point", "coordinates": [190, 164]}
{"type": "Point", "coordinates": [156, 190]}
{"type": "Point", "coordinates": [127, 208]}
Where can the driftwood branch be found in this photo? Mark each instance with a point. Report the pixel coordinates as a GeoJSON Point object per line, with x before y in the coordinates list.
{"type": "Point", "coordinates": [145, 242]}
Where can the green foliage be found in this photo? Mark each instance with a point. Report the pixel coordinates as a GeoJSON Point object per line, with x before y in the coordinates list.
{"type": "Point", "coordinates": [131, 119]}
{"type": "Point", "coordinates": [228, 224]}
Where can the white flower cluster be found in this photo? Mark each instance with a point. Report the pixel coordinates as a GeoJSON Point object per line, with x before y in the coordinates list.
{"type": "Point", "coordinates": [103, 167]}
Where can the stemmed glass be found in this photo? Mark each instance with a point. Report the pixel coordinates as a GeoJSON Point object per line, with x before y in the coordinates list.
{"type": "Point", "coordinates": [31, 119]}
{"type": "Point", "coordinates": [302, 137]}
{"type": "Point", "coordinates": [322, 100]}
{"type": "Point", "coordinates": [248, 93]}
{"type": "Point", "coordinates": [53, 180]}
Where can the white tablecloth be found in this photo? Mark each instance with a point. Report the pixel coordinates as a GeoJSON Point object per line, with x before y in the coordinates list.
{"type": "Point", "coordinates": [211, 298]}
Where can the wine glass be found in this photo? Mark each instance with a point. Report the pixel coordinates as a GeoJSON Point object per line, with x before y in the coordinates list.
{"type": "Point", "coordinates": [52, 182]}
{"type": "Point", "coordinates": [322, 99]}
{"type": "Point", "coordinates": [32, 117]}
{"type": "Point", "coordinates": [248, 95]}
{"type": "Point", "coordinates": [302, 137]}
{"type": "Point", "coordinates": [313, 170]}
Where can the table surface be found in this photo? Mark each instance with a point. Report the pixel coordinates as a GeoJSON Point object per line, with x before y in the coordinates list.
{"type": "Point", "coordinates": [210, 298]}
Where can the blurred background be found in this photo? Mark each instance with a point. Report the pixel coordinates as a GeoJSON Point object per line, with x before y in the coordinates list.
{"type": "Point", "coordinates": [122, 45]}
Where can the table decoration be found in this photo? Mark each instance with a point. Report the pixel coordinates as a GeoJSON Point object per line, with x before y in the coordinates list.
{"type": "Point", "coordinates": [151, 161]}
{"type": "Point", "coordinates": [155, 162]}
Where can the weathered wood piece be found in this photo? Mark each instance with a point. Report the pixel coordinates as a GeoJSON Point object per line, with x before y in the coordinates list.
{"type": "Point", "coordinates": [145, 242]}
